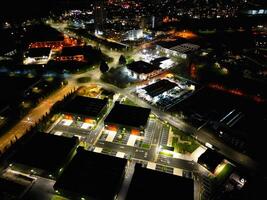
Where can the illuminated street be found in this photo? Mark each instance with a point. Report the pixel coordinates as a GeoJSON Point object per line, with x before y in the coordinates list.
{"type": "Point", "coordinates": [100, 98]}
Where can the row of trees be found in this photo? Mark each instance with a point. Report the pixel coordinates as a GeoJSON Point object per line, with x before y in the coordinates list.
{"type": "Point", "coordinates": [105, 68]}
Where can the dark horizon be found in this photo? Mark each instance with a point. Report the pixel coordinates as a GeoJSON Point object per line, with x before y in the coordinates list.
{"type": "Point", "coordinates": [13, 9]}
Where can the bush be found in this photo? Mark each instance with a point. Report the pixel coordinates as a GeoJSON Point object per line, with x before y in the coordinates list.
{"type": "Point", "coordinates": [83, 79]}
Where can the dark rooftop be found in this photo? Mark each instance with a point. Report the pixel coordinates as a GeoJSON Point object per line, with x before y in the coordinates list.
{"type": "Point", "coordinates": [132, 116]}
{"type": "Point", "coordinates": [151, 184]}
{"type": "Point", "coordinates": [40, 33]}
{"type": "Point", "coordinates": [10, 189]}
{"type": "Point", "coordinates": [157, 61]}
{"type": "Point", "coordinates": [171, 44]}
{"type": "Point", "coordinates": [159, 87]}
{"type": "Point", "coordinates": [210, 160]}
{"type": "Point", "coordinates": [94, 175]}
{"type": "Point", "coordinates": [72, 51]}
{"type": "Point", "coordinates": [76, 50]}
{"type": "Point", "coordinates": [45, 151]}
{"type": "Point", "coordinates": [86, 106]}
{"type": "Point", "coordinates": [38, 52]}
{"type": "Point", "coordinates": [142, 67]}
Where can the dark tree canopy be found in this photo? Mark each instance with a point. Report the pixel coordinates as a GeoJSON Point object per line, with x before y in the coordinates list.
{"type": "Point", "coordinates": [103, 67]}
{"type": "Point", "coordinates": [122, 60]}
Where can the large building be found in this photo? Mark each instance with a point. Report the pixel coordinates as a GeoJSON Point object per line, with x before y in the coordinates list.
{"type": "Point", "coordinates": [163, 62]}
{"type": "Point", "coordinates": [125, 116]}
{"type": "Point", "coordinates": [134, 34]}
{"type": "Point", "coordinates": [37, 56]}
{"type": "Point", "coordinates": [99, 12]}
{"type": "Point", "coordinates": [75, 53]}
{"type": "Point", "coordinates": [13, 189]}
{"type": "Point", "coordinates": [152, 91]}
{"type": "Point", "coordinates": [85, 108]}
{"type": "Point", "coordinates": [151, 184]}
{"type": "Point", "coordinates": [182, 50]}
{"type": "Point", "coordinates": [42, 36]}
{"type": "Point", "coordinates": [92, 175]}
{"type": "Point", "coordinates": [210, 160]}
{"type": "Point", "coordinates": [44, 154]}
{"type": "Point", "coordinates": [143, 70]}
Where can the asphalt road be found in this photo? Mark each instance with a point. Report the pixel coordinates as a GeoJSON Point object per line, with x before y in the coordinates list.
{"type": "Point", "coordinates": [72, 130]}
{"type": "Point", "coordinates": [202, 135]}
{"type": "Point", "coordinates": [127, 180]}
{"type": "Point", "coordinates": [179, 163]}
{"type": "Point", "coordinates": [33, 117]}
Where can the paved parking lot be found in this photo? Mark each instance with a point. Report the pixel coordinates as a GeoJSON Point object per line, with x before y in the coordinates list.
{"type": "Point", "coordinates": [149, 132]}
{"type": "Point", "coordinates": [84, 131]}
{"type": "Point", "coordinates": [164, 135]}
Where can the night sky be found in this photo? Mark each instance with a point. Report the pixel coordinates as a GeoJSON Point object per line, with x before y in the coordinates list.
{"type": "Point", "coordinates": [16, 9]}
{"type": "Point", "coordinates": [32, 8]}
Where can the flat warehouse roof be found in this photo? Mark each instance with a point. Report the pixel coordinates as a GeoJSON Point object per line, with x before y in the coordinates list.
{"type": "Point", "coordinates": [76, 50]}
{"type": "Point", "coordinates": [142, 67]}
{"type": "Point", "coordinates": [132, 116]}
{"type": "Point", "coordinates": [151, 184]}
{"type": "Point", "coordinates": [210, 159]}
{"type": "Point", "coordinates": [159, 87]}
{"type": "Point", "coordinates": [38, 33]}
{"type": "Point", "coordinates": [80, 105]}
{"type": "Point", "coordinates": [38, 52]}
{"type": "Point", "coordinates": [157, 61]}
{"type": "Point", "coordinates": [45, 151]}
{"type": "Point", "coordinates": [94, 175]}
{"type": "Point", "coordinates": [10, 189]}
{"type": "Point", "coordinates": [171, 44]}
{"type": "Point", "coordinates": [184, 48]}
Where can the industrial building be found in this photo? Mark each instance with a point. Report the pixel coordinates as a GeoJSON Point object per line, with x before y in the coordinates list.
{"type": "Point", "coordinates": [39, 56]}
{"type": "Point", "coordinates": [85, 108]}
{"type": "Point", "coordinates": [182, 50]}
{"type": "Point", "coordinates": [92, 175]}
{"type": "Point", "coordinates": [151, 184]}
{"type": "Point", "coordinates": [210, 160]}
{"type": "Point", "coordinates": [151, 91]}
{"type": "Point", "coordinates": [44, 154]}
{"type": "Point", "coordinates": [134, 34]}
{"type": "Point", "coordinates": [143, 70]}
{"type": "Point", "coordinates": [125, 116]}
{"type": "Point", "coordinates": [163, 62]}
{"type": "Point", "coordinates": [75, 53]}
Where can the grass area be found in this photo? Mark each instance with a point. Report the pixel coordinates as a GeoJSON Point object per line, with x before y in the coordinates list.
{"type": "Point", "coordinates": [129, 102]}
{"type": "Point", "coordinates": [224, 173]}
{"type": "Point", "coordinates": [56, 197]}
{"type": "Point", "coordinates": [129, 59]}
{"type": "Point", "coordinates": [165, 153]}
{"type": "Point", "coordinates": [106, 150]}
{"type": "Point", "coordinates": [183, 143]}
{"type": "Point", "coordinates": [145, 145]}
{"type": "Point", "coordinates": [212, 31]}
{"type": "Point", "coordinates": [184, 147]}
{"type": "Point", "coordinates": [177, 131]}
{"type": "Point", "coordinates": [83, 79]}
